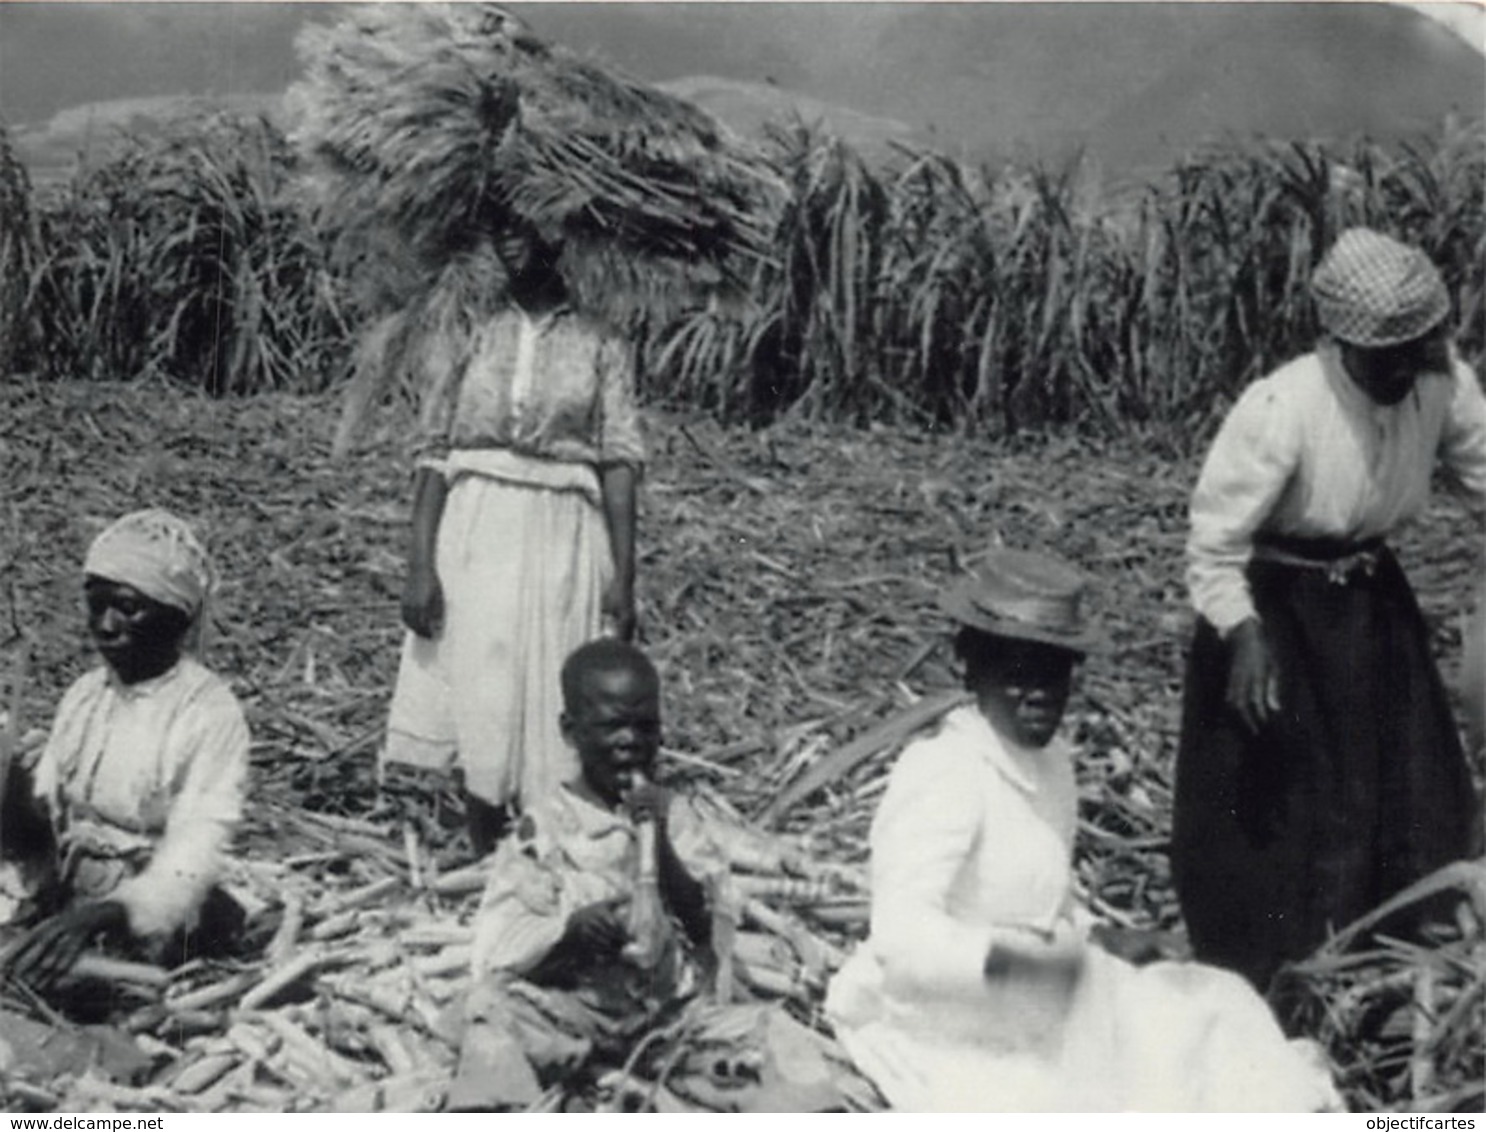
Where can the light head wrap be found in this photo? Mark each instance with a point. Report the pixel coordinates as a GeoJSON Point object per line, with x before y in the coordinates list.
{"type": "Point", "coordinates": [1371, 290]}
{"type": "Point", "coordinates": [159, 555]}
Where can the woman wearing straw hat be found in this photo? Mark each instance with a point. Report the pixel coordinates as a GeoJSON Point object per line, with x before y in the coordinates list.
{"type": "Point", "coordinates": [143, 776]}
{"type": "Point", "coordinates": [529, 456]}
{"type": "Point", "coordinates": [1320, 769]}
{"type": "Point", "coordinates": [979, 988]}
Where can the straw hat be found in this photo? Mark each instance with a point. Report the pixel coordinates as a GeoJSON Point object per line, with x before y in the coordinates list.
{"type": "Point", "coordinates": [1373, 291]}
{"type": "Point", "coordinates": [1025, 596]}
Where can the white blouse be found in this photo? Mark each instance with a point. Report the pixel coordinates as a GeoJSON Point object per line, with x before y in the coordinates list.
{"type": "Point", "coordinates": [972, 842]}
{"type": "Point", "coordinates": [974, 836]}
{"type": "Point", "coordinates": [1305, 453]}
{"type": "Point", "coordinates": [145, 784]}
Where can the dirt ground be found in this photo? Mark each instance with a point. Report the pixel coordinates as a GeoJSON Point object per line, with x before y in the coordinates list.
{"type": "Point", "coordinates": [787, 582]}
{"type": "Point", "coordinates": [787, 588]}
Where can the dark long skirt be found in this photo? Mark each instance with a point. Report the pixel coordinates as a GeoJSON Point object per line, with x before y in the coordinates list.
{"type": "Point", "coordinates": [1357, 788]}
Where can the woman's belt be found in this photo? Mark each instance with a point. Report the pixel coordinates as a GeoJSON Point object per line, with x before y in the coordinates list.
{"type": "Point", "coordinates": [528, 471]}
{"type": "Point", "coordinates": [1341, 561]}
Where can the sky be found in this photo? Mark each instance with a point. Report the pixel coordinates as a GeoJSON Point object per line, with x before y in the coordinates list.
{"type": "Point", "coordinates": [99, 52]}
{"type": "Point", "coordinates": [1467, 19]}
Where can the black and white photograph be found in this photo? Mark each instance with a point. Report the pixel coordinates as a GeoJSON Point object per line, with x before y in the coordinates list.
{"type": "Point", "coordinates": [755, 557]}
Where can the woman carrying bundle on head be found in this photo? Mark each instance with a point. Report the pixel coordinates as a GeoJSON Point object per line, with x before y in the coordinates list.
{"type": "Point", "coordinates": [980, 988]}
{"type": "Point", "coordinates": [528, 457]}
{"type": "Point", "coordinates": [141, 782]}
{"type": "Point", "coordinates": [1320, 768]}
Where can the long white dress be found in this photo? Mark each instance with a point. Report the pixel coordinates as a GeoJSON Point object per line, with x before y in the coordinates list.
{"type": "Point", "coordinates": [974, 836]}
{"type": "Point", "coordinates": [520, 434]}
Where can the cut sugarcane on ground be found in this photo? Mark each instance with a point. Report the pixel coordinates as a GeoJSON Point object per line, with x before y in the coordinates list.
{"type": "Point", "coordinates": [787, 594]}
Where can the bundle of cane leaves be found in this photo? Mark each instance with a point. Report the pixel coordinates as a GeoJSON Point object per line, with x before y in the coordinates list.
{"type": "Point", "coordinates": [436, 126]}
{"type": "Point", "coordinates": [1403, 1016]}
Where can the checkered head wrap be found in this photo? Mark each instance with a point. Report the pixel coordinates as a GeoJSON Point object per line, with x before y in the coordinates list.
{"type": "Point", "coordinates": [159, 555]}
{"type": "Point", "coordinates": [1371, 290]}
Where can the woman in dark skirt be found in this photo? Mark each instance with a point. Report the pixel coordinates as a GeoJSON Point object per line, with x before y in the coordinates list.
{"type": "Point", "coordinates": [1320, 769]}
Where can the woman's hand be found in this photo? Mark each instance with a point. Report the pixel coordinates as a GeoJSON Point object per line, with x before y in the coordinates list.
{"type": "Point", "coordinates": [620, 485]}
{"type": "Point", "coordinates": [51, 949]}
{"type": "Point", "coordinates": [1024, 951]}
{"type": "Point", "coordinates": [1134, 945]}
{"type": "Point", "coordinates": [1064, 945]}
{"type": "Point", "coordinates": [599, 929]}
{"type": "Point", "coordinates": [619, 609]}
{"type": "Point", "coordinates": [1253, 676]}
{"type": "Point", "coordinates": [423, 601]}
{"type": "Point", "coordinates": [422, 593]}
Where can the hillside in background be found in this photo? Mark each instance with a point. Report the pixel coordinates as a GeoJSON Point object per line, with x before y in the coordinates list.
{"type": "Point", "coordinates": [1392, 74]}
{"type": "Point", "coordinates": [750, 108]}
{"type": "Point", "coordinates": [1133, 85]}
{"type": "Point", "coordinates": [59, 55]}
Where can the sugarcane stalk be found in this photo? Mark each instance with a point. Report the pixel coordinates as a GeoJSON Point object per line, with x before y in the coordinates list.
{"type": "Point", "coordinates": [314, 1056]}
{"type": "Point", "coordinates": [791, 890]}
{"type": "Point", "coordinates": [237, 1084]}
{"type": "Point", "coordinates": [288, 931]}
{"type": "Point", "coordinates": [204, 1072]}
{"type": "Point", "coordinates": [27, 1093]}
{"type": "Point", "coordinates": [848, 913]}
{"type": "Point", "coordinates": [1421, 1063]}
{"type": "Point", "coordinates": [462, 882]}
{"type": "Point", "coordinates": [451, 960]}
{"type": "Point", "coordinates": [390, 1048]}
{"type": "Point", "coordinates": [770, 981]}
{"type": "Point", "coordinates": [213, 994]}
{"type": "Point", "coordinates": [93, 1093]}
{"type": "Point", "coordinates": [725, 912]}
{"type": "Point", "coordinates": [251, 1042]}
{"type": "Point", "coordinates": [420, 1090]}
{"type": "Point", "coordinates": [360, 897]}
{"type": "Point", "coordinates": [340, 924]}
{"type": "Point", "coordinates": [815, 954]}
{"type": "Point", "coordinates": [436, 935]}
{"type": "Point", "coordinates": [191, 1024]}
{"type": "Point", "coordinates": [106, 969]}
{"type": "Point", "coordinates": [285, 976]}
{"type": "Point", "coordinates": [414, 855]}
{"type": "Point", "coordinates": [646, 910]}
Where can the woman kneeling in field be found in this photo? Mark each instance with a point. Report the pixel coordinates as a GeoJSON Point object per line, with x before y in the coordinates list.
{"type": "Point", "coordinates": [141, 782]}
{"type": "Point", "coordinates": [979, 989]}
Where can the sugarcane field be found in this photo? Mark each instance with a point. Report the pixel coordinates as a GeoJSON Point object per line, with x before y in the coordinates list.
{"type": "Point", "coordinates": [519, 594]}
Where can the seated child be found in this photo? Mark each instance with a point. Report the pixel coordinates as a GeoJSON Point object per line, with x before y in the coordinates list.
{"type": "Point", "coordinates": [978, 989]}
{"type": "Point", "coordinates": [141, 781]}
{"type": "Point", "coordinates": [561, 983]}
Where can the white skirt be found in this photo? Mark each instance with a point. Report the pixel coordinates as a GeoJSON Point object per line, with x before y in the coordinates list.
{"type": "Point", "coordinates": [1168, 1037]}
{"type": "Point", "coordinates": [523, 566]}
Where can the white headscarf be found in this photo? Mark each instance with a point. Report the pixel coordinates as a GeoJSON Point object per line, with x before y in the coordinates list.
{"type": "Point", "coordinates": [158, 554]}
